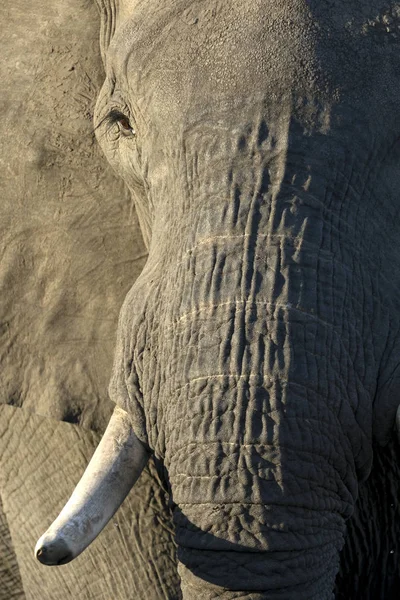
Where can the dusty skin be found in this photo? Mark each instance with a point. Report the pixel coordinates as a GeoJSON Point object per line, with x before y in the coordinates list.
{"type": "Point", "coordinates": [71, 251]}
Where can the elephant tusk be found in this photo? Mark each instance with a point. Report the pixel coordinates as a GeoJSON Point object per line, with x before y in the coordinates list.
{"type": "Point", "coordinates": [114, 468]}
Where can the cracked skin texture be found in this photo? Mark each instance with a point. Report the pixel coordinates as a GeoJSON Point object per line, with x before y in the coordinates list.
{"type": "Point", "coordinates": [72, 252]}
{"type": "Point", "coordinates": [258, 350]}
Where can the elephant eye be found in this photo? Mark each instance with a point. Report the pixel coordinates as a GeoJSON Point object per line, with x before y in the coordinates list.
{"type": "Point", "coordinates": [123, 122]}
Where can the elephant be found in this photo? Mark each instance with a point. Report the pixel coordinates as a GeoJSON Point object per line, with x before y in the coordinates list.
{"type": "Point", "coordinates": [257, 357]}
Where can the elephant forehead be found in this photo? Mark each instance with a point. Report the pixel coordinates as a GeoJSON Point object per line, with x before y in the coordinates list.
{"type": "Point", "coordinates": [175, 56]}
{"type": "Point", "coordinates": [191, 53]}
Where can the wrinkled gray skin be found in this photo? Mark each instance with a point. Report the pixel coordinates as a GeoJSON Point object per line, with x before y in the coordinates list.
{"type": "Point", "coordinates": [258, 352]}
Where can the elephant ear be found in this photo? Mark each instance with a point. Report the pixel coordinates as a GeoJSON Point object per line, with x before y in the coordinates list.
{"type": "Point", "coordinates": [386, 414]}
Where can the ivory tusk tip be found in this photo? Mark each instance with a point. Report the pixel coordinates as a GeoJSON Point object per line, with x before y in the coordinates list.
{"type": "Point", "coordinates": [53, 553]}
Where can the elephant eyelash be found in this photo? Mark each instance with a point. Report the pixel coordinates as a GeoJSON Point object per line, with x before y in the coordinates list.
{"type": "Point", "coordinates": [113, 117]}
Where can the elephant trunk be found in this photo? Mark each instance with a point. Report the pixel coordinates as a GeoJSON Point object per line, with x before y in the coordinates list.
{"type": "Point", "coordinates": [262, 435]}
{"type": "Point", "coordinates": [241, 358]}
{"type": "Point", "coordinates": [263, 476]}
{"type": "Point", "coordinates": [114, 468]}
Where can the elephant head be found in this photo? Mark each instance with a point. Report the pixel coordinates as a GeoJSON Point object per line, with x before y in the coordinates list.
{"type": "Point", "coordinates": [258, 352]}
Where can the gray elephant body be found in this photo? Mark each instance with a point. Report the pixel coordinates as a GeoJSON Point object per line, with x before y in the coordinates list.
{"type": "Point", "coordinates": [258, 351]}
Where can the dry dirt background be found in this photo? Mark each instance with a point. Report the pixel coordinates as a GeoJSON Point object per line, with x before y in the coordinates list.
{"type": "Point", "coordinates": [69, 250]}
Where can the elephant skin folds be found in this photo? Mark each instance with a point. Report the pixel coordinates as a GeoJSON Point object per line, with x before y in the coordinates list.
{"type": "Point", "coordinates": [258, 351]}
{"type": "Point", "coordinates": [247, 393]}
{"type": "Point", "coordinates": [256, 345]}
